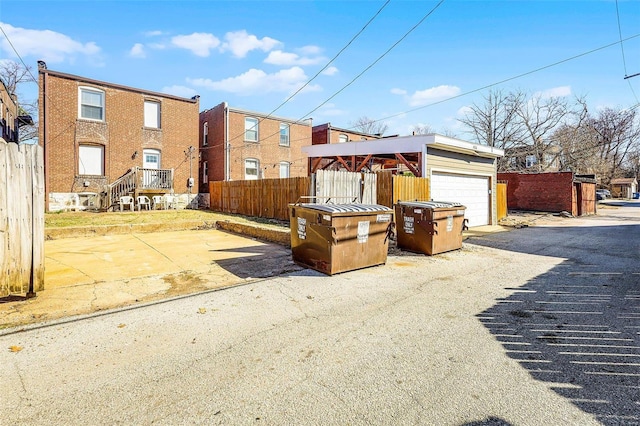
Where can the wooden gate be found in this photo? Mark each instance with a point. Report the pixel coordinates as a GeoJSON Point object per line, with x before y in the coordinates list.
{"type": "Point", "coordinates": [21, 219]}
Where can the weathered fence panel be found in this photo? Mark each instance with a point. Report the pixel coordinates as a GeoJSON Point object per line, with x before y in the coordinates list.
{"type": "Point", "coordinates": [21, 219]}
{"type": "Point", "coordinates": [341, 187]}
{"type": "Point", "coordinates": [266, 198]}
{"type": "Point", "coordinates": [384, 188]}
{"type": "Point", "coordinates": [410, 188]}
{"type": "Point", "coordinates": [501, 199]}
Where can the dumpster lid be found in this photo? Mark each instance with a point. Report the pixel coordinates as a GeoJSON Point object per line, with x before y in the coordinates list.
{"type": "Point", "coordinates": [347, 208]}
{"type": "Point", "coordinates": [431, 204]}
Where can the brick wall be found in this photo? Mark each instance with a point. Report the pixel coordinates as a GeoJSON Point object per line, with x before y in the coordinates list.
{"type": "Point", "coordinates": [324, 132]}
{"type": "Point", "coordinates": [267, 150]}
{"type": "Point", "coordinates": [122, 133]}
{"type": "Point", "coordinates": [550, 192]}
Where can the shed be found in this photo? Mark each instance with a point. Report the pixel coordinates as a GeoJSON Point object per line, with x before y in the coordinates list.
{"type": "Point", "coordinates": [624, 187]}
{"type": "Point", "coordinates": [458, 171]}
{"type": "Point", "coordinates": [551, 192]}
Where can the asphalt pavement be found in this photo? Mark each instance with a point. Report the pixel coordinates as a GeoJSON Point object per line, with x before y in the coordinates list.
{"type": "Point", "coordinates": [534, 326]}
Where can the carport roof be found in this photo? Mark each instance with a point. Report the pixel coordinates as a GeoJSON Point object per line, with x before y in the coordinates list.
{"type": "Point", "coordinates": [402, 144]}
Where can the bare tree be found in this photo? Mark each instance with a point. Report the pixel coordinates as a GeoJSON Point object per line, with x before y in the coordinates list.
{"type": "Point", "coordinates": [617, 135]}
{"type": "Point", "coordinates": [422, 129]}
{"type": "Point", "coordinates": [495, 122]}
{"type": "Point", "coordinates": [369, 126]}
{"type": "Point", "coordinates": [14, 76]}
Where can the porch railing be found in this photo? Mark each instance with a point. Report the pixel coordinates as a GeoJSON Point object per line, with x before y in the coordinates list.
{"type": "Point", "coordinates": [138, 180]}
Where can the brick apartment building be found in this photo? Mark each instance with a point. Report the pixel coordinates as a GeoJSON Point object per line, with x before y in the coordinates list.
{"type": "Point", "coordinates": [243, 145]}
{"type": "Point", "coordinates": [326, 133]}
{"type": "Point", "coordinates": [102, 140]}
{"type": "Point", "coordinates": [8, 114]}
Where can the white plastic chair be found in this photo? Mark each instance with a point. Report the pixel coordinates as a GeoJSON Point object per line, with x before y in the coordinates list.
{"type": "Point", "coordinates": [159, 201]}
{"type": "Point", "coordinates": [126, 200]}
{"type": "Point", "coordinates": [143, 201]}
{"type": "Point", "coordinates": [171, 201]}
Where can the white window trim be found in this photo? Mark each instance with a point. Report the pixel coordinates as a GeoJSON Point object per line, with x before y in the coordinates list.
{"type": "Point", "coordinates": [103, 106]}
{"type": "Point", "coordinates": [288, 127]}
{"type": "Point", "coordinates": [254, 128]}
{"type": "Point", "coordinates": [90, 151]}
{"type": "Point", "coordinates": [287, 165]}
{"type": "Point", "coordinates": [340, 137]}
{"type": "Point", "coordinates": [531, 160]}
{"type": "Point", "coordinates": [158, 114]}
{"type": "Point", "coordinates": [205, 172]}
{"type": "Point", "coordinates": [252, 177]}
{"type": "Point", "coordinates": [205, 133]}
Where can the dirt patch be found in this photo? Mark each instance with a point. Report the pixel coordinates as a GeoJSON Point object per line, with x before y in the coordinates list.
{"type": "Point", "coordinates": [183, 283]}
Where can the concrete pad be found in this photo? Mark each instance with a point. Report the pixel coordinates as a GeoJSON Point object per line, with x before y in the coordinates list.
{"type": "Point", "coordinates": [88, 274]}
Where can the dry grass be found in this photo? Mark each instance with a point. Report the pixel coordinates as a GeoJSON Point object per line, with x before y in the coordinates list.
{"type": "Point", "coordinates": [73, 219]}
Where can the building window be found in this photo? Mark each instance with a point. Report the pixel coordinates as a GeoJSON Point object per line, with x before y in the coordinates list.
{"type": "Point", "coordinates": [205, 134]}
{"type": "Point", "coordinates": [91, 160]}
{"type": "Point", "coordinates": [284, 134]}
{"type": "Point", "coordinates": [205, 172]}
{"type": "Point", "coordinates": [251, 169]}
{"type": "Point", "coordinates": [284, 169]}
{"type": "Point", "coordinates": [251, 129]}
{"type": "Point", "coordinates": [152, 114]}
{"type": "Point", "coordinates": [91, 104]}
{"type": "Point", "coordinates": [343, 138]}
{"type": "Point", "coordinates": [531, 160]}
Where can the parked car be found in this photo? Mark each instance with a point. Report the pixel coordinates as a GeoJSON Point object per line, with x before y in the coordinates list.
{"type": "Point", "coordinates": [602, 194]}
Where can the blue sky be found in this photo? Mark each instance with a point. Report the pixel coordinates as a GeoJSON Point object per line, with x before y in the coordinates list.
{"type": "Point", "coordinates": [256, 54]}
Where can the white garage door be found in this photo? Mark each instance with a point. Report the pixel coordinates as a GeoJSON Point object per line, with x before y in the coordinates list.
{"type": "Point", "coordinates": [470, 191]}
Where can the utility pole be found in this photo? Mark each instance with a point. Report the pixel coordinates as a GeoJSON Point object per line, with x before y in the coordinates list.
{"type": "Point", "coordinates": [189, 152]}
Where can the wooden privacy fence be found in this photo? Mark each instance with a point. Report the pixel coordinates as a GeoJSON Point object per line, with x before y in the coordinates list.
{"type": "Point", "coordinates": [501, 199]}
{"type": "Point", "coordinates": [267, 198]}
{"type": "Point", "coordinates": [394, 188]}
{"type": "Point", "coordinates": [341, 187]}
{"type": "Point", "coordinates": [270, 198]}
{"type": "Point", "coordinates": [21, 219]}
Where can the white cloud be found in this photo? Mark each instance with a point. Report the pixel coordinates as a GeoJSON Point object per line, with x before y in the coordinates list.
{"type": "Point", "coordinates": [556, 92]}
{"type": "Point", "coordinates": [278, 57]}
{"type": "Point", "coordinates": [309, 50]}
{"type": "Point", "coordinates": [256, 81]}
{"type": "Point", "coordinates": [424, 97]}
{"type": "Point", "coordinates": [153, 33]}
{"type": "Point", "coordinates": [198, 43]}
{"type": "Point", "coordinates": [137, 51]}
{"type": "Point", "coordinates": [47, 45]}
{"type": "Point", "coordinates": [240, 43]}
{"type": "Point", "coordinates": [330, 71]}
{"type": "Point", "coordinates": [398, 91]}
{"type": "Point", "coordinates": [157, 46]}
{"type": "Point", "coordinates": [183, 91]}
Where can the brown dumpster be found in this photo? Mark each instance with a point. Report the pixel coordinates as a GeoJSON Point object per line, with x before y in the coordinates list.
{"type": "Point", "coordinates": [430, 227]}
{"type": "Point", "coordinates": [334, 238]}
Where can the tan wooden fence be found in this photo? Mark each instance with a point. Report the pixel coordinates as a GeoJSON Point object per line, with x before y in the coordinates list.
{"type": "Point", "coordinates": [266, 198]}
{"type": "Point", "coordinates": [21, 219]}
{"type": "Point", "coordinates": [394, 188]}
{"type": "Point", "coordinates": [270, 198]}
{"type": "Point", "coordinates": [501, 199]}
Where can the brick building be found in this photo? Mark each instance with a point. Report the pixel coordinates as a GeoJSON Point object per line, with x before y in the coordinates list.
{"type": "Point", "coordinates": [103, 140]}
{"type": "Point", "coordinates": [326, 133]}
{"type": "Point", "coordinates": [8, 114]}
{"type": "Point", "coordinates": [551, 192]}
{"type": "Point", "coordinates": [243, 145]}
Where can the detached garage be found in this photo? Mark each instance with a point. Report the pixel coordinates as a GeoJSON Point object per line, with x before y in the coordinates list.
{"type": "Point", "coordinates": [458, 171]}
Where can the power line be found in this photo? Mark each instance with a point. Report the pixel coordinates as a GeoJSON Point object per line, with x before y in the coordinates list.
{"type": "Point", "coordinates": [357, 76]}
{"type": "Point", "coordinates": [624, 60]}
{"type": "Point", "coordinates": [316, 75]}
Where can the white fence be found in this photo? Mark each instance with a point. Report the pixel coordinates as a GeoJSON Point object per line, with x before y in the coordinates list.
{"type": "Point", "coordinates": [21, 219]}
{"type": "Point", "coordinates": [341, 187]}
